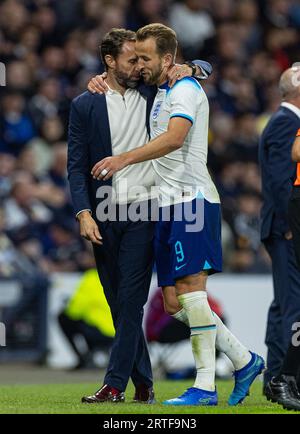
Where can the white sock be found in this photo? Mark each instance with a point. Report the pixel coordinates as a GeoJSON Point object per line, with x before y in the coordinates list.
{"type": "Point", "coordinates": [231, 346]}
{"type": "Point", "coordinates": [203, 336]}
{"type": "Point", "coordinates": [226, 342]}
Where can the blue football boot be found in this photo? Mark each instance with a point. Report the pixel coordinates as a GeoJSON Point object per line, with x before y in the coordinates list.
{"type": "Point", "coordinates": [194, 396]}
{"type": "Point", "coordinates": [244, 378]}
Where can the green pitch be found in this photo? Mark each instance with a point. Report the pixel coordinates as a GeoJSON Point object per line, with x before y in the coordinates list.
{"type": "Point", "coordinates": [65, 398]}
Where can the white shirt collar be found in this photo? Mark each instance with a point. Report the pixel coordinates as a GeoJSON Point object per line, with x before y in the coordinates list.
{"type": "Point", "coordinates": [111, 91]}
{"type": "Point", "coordinates": [115, 92]}
{"type": "Point", "coordinates": [291, 107]}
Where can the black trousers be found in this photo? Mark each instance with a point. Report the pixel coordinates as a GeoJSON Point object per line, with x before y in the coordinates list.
{"type": "Point", "coordinates": [294, 221]}
{"type": "Point", "coordinates": [124, 263]}
{"type": "Point", "coordinates": [285, 307]}
{"type": "Point", "coordinates": [291, 363]}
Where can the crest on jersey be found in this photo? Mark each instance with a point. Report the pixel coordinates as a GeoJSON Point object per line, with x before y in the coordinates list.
{"type": "Point", "coordinates": [156, 110]}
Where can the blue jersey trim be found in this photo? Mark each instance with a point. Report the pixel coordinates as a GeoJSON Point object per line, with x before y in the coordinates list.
{"type": "Point", "coordinates": [182, 115]}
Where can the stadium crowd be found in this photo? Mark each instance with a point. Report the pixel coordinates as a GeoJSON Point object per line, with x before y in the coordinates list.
{"type": "Point", "coordinates": [50, 50]}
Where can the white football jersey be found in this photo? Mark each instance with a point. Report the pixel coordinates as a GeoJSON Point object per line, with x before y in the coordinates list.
{"type": "Point", "coordinates": [182, 175]}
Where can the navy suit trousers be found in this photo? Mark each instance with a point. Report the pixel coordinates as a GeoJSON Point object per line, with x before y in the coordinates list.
{"type": "Point", "coordinates": [124, 264]}
{"type": "Point", "coordinates": [285, 308]}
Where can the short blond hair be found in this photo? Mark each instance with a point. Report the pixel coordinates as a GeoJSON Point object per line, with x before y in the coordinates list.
{"type": "Point", "coordinates": [166, 38]}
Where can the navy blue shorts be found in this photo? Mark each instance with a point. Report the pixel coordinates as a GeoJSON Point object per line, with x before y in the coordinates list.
{"type": "Point", "coordinates": [188, 240]}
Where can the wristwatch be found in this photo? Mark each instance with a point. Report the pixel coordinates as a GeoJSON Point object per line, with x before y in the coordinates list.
{"type": "Point", "coordinates": [193, 66]}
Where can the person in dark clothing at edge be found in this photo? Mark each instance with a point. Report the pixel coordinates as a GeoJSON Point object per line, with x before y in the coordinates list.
{"type": "Point", "coordinates": [283, 381]}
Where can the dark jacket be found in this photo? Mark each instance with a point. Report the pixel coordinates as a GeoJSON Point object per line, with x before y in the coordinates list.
{"type": "Point", "coordinates": [277, 170]}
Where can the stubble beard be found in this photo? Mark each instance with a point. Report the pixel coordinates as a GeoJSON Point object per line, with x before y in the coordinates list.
{"type": "Point", "coordinates": [155, 77]}
{"type": "Point", "coordinates": [125, 81]}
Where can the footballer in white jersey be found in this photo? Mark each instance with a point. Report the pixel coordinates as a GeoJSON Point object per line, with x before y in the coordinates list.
{"type": "Point", "coordinates": [188, 234]}
{"type": "Point", "coordinates": [182, 175]}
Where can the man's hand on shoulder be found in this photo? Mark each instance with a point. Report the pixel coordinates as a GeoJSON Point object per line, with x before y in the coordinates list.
{"type": "Point", "coordinates": [177, 72]}
{"type": "Point", "coordinates": [188, 69]}
{"type": "Point", "coordinates": [97, 84]}
{"type": "Point", "coordinates": [89, 228]}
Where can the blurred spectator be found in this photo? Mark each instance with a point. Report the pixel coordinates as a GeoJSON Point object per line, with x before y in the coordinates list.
{"type": "Point", "coordinates": [52, 129]}
{"type": "Point", "coordinates": [46, 20]}
{"type": "Point", "coordinates": [143, 12]}
{"type": "Point", "coordinates": [247, 22]}
{"type": "Point", "coordinates": [92, 11]}
{"type": "Point", "coordinates": [113, 15]}
{"type": "Point", "coordinates": [230, 47]}
{"type": "Point", "coordinates": [90, 57]}
{"type": "Point", "coordinates": [7, 168]}
{"type": "Point", "coordinates": [278, 13]}
{"type": "Point", "coordinates": [87, 315]}
{"type": "Point", "coordinates": [15, 125]}
{"type": "Point", "coordinates": [29, 41]}
{"type": "Point", "coordinates": [247, 261]}
{"type": "Point", "coordinates": [57, 170]}
{"type": "Point", "coordinates": [193, 24]}
{"type": "Point", "coordinates": [63, 251]}
{"type": "Point", "coordinates": [13, 18]}
{"type": "Point", "coordinates": [45, 103]}
{"type": "Point", "coordinates": [25, 215]}
{"type": "Point", "coordinates": [223, 10]}
{"type": "Point", "coordinates": [245, 141]}
{"type": "Point", "coordinates": [19, 77]}
{"type": "Point", "coordinates": [16, 265]}
{"type": "Point", "coordinates": [247, 223]}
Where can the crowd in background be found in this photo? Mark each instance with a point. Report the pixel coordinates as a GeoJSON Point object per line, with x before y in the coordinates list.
{"type": "Point", "coordinates": [51, 49]}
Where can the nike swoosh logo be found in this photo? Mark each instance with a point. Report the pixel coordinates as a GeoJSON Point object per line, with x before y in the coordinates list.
{"type": "Point", "coordinates": [178, 268]}
{"type": "Point", "coordinates": [257, 364]}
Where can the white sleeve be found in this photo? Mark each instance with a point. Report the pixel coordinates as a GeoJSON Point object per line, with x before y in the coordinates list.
{"type": "Point", "coordinates": [184, 99]}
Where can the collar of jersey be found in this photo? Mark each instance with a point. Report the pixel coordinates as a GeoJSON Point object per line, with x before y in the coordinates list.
{"type": "Point", "coordinates": [164, 86]}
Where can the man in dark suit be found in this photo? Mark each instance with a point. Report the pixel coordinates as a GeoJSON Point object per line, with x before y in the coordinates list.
{"type": "Point", "coordinates": [278, 175]}
{"type": "Point", "coordinates": [101, 125]}
{"type": "Point", "coordinates": [284, 389]}
{"type": "Point", "coordinates": [294, 204]}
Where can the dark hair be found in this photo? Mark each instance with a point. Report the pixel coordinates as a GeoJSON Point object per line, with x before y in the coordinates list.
{"type": "Point", "coordinates": [113, 41]}
{"type": "Point", "coordinates": [166, 39]}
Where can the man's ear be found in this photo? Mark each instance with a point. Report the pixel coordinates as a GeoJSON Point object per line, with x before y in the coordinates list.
{"type": "Point", "coordinates": [168, 60]}
{"type": "Point", "coordinates": [110, 61]}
